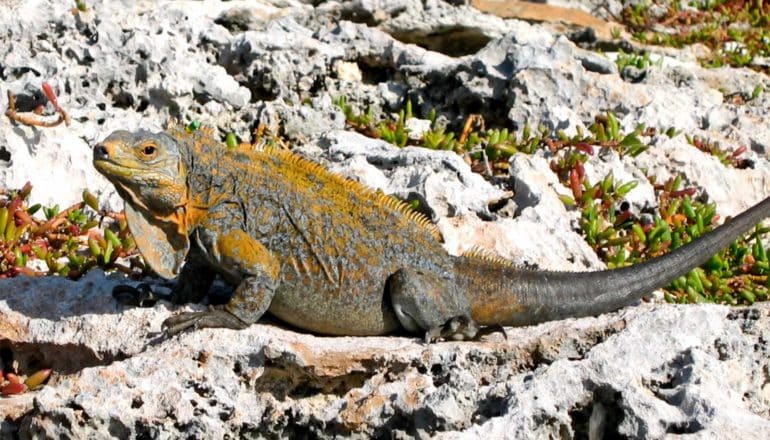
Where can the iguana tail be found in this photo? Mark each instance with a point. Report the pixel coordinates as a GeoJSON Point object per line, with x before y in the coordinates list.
{"type": "Point", "coordinates": [502, 294]}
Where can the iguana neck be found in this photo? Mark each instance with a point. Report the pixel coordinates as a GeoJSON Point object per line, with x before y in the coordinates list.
{"type": "Point", "coordinates": [204, 164]}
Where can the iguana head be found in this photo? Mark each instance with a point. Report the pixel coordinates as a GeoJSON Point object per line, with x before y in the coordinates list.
{"type": "Point", "coordinates": [149, 172]}
{"type": "Point", "coordinates": [146, 168]}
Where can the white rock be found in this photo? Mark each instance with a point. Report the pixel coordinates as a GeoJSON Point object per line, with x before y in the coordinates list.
{"type": "Point", "coordinates": [440, 179]}
{"type": "Point", "coordinates": [417, 127]}
{"type": "Point", "coordinates": [648, 371]}
{"type": "Point", "coordinates": [657, 368]}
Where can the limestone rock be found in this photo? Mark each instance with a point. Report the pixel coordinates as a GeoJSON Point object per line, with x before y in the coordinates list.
{"type": "Point", "coordinates": [648, 371]}
{"type": "Point", "coordinates": [643, 372]}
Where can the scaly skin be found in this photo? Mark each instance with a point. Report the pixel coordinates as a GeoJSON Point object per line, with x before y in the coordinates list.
{"type": "Point", "coordinates": [331, 256]}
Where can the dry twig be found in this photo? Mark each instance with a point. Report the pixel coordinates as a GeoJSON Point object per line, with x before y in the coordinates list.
{"type": "Point", "coordinates": [30, 118]}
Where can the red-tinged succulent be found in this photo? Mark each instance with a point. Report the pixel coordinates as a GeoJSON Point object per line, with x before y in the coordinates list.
{"type": "Point", "coordinates": [13, 378]}
{"type": "Point", "coordinates": [62, 234]}
{"type": "Point", "coordinates": [49, 93]}
{"type": "Point", "coordinates": [11, 389]}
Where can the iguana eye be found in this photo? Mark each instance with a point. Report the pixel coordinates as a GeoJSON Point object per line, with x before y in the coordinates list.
{"type": "Point", "coordinates": [148, 150]}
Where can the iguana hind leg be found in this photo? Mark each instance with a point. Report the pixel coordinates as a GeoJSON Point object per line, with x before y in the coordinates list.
{"type": "Point", "coordinates": [428, 302]}
{"type": "Point", "coordinates": [247, 261]}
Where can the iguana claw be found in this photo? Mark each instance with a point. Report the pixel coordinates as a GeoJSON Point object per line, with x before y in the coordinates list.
{"type": "Point", "coordinates": [140, 296]}
{"type": "Point", "coordinates": [461, 328]}
{"type": "Point", "coordinates": [214, 317]}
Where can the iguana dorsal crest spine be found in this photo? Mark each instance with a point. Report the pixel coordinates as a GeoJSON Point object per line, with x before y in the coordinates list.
{"type": "Point", "coordinates": [375, 196]}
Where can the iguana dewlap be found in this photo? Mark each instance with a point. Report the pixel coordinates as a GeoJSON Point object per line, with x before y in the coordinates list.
{"type": "Point", "coordinates": [331, 256]}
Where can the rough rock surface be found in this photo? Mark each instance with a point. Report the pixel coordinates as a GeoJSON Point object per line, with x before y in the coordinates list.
{"type": "Point", "coordinates": [645, 372]}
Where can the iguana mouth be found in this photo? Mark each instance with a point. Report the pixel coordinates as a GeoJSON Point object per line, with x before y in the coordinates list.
{"type": "Point", "coordinates": [112, 169]}
{"type": "Point", "coordinates": [108, 167]}
{"type": "Point", "coordinates": [104, 164]}
{"type": "Point", "coordinates": [115, 172]}
{"type": "Point", "coordinates": [123, 177]}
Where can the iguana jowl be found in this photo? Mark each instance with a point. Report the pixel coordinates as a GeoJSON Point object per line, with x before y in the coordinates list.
{"type": "Point", "coordinates": [331, 256]}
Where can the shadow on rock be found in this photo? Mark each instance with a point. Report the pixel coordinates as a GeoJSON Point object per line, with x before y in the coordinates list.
{"type": "Point", "coordinates": [54, 297]}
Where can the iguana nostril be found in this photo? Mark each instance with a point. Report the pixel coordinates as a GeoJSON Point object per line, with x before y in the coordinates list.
{"type": "Point", "coordinates": [101, 151]}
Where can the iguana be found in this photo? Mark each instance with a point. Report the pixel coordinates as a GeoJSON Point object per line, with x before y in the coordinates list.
{"type": "Point", "coordinates": [332, 256]}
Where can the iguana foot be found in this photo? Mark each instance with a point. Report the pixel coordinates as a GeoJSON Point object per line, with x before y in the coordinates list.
{"type": "Point", "coordinates": [140, 296]}
{"type": "Point", "coordinates": [214, 317]}
{"type": "Point", "coordinates": [461, 328]}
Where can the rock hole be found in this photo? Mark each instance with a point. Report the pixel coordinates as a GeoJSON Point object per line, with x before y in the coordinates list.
{"type": "Point", "coordinates": [440, 376]}
{"type": "Point", "coordinates": [743, 164]}
{"type": "Point", "coordinates": [201, 98]}
{"type": "Point", "coordinates": [498, 204]}
{"type": "Point", "coordinates": [84, 417]}
{"type": "Point", "coordinates": [689, 427]}
{"type": "Point", "coordinates": [262, 89]}
{"type": "Point", "coordinates": [143, 104]}
{"type": "Point", "coordinates": [453, 41]}
{"type": "Point", "coordinates": [427, 421]}
{"type": "Point", "coordinates": [27, 101]}
{"type": "Point", "coordinates": [600, 417]}
{"type": "Point", "coordinates": [399, 423]}
{"type": "Point", "coordinates": [62, 359]}
{"type": "Point", "coordinates": [200, 389]}
{"type": "Point", "coordinates": [488, 408]}
{"type": "Point", "coordinates": [583, 37]}
{"type": "Point", "coordinates": [235, 20]}
{"type": "Point", "coordinates": [20, 71]}
{"type": "Point", "coordinates": [226, 413]}
{"type": "Point", "coordinates": [145, 431]}
{"type": "Point", "coordinates": [89, 32]}
{"type": "Point", "coordinates": [87, 60]}
{"type": "Point", "coordinates": [292, 381]}
{"type": "Point", "coordinates": [633, 75]}
{"type": "Point", "coordinates": [123, 100]}
{"type": "Point", "coordinates": [373, 71]}
{"type": "Point", "coordinates": [140, 74]}
{"type": "Point", "coordinates": [120, 98]}
{"type": "Point", "coordinates": [5, 155]}
{"type": "Point", "coordinates": [360, 16]}
{"type": "Point", "coordinates": [117, 429]}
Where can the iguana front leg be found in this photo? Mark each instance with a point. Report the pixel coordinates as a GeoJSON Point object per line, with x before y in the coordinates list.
{"type": "Point", "coordinates": [239, 258]}
{"type": "Point", "coordinates": [193, 284]}
{"type": "Point", "coordinates": [195, 279]}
